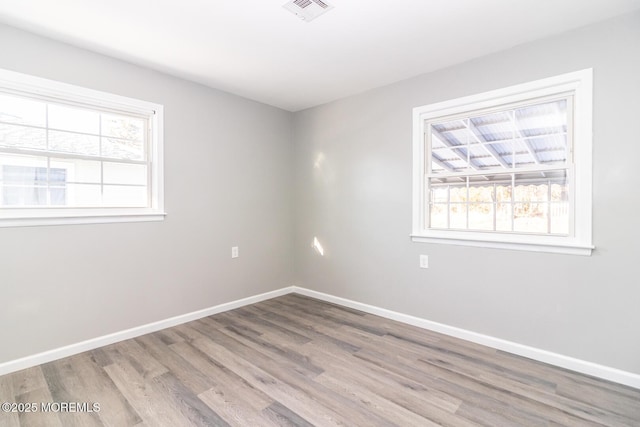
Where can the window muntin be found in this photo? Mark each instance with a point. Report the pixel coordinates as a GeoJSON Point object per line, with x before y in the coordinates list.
{"type": "Point", "coordinates": [108, 148]}
{"type": "Point", "coordinates": [509, 168]}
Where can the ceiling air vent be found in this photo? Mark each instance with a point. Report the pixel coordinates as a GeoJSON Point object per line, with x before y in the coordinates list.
{"type": "Point", "coordinates": [308, 10]}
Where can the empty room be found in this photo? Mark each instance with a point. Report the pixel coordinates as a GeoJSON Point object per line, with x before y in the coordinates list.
{"type": "Point", "coordinates": [319, 213]}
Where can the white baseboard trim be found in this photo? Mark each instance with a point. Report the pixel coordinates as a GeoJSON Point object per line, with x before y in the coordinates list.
{"type": "Point", "coordinates": [70, 350]}
{"type": "Point", "coordinates": [582, 366]}
{"type": "Point", "coordinates": [600, 371]}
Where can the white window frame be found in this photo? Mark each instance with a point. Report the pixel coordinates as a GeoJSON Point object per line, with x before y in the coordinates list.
{"type": "Point", "coordinates": [40, 88]}
{"type": "Point", "coordinates": [579, 242]}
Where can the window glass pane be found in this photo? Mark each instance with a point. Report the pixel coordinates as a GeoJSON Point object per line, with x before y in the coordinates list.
{"type": "Point", "coordinates": [560, 192]}
{"type": "Point", "coordinates": [449, 134]}
{"type": "Point", "coordinates": [525, 136]}
{"type": "Point", "coordinates": [503, 192]}
{"type": "Point", "coordinates": [531, 217]}
{"type": "Point", "coordinates": [83, 171]}
{"type": "Point", "coordinates": [531, 211]}
{"type": "Point", "coordinates": [458, 216]}
{"type": "Point", "coordinates": [124, 196]}
{"type": "Point", "coordinates": [14, 109]}
{"type": "Point", "coordinates": [450, 160]}
{"type": "Point", "coordinates": [74, 119]}
{"type": "Point", "coordinates": [458, 163]}
{"type": "Point", "coordinates": [21, 160]}
{"type": "Point", "coordinates": [438, 215]}
{"type": "Point", "coordinates": [437, 167]}
{"type": "Point", "coordinates": [549, 118]}
{"type": "Point", "coordinates": [480, 216]}
{"type": "Point", "coordinates": [449, 144]}
{"type": "Point", "coordinates": [57, 176]}
{"type": "Point", "coordinates": [503, 217]}
{"type": "Point", "coordinates": [24, 195]}
{"type": "Point", "coordinates": [27, 182]}
{"type": "Point", "coordinates": [22, 137]}
{"type": "Point", "coordinates": [122, 127]}
{"type": "Point", "coordinates": [122, 149]}
{"type": "Point", "coordinates": [483, 158]}
{"type": "Point", "coordinates": [515, 153]}
{"type": "Point", "coordinates": [439, 194]}
{"type": "Point", "coordinates": [58, 196]}
{"type": "Point", "coordinates": [481, 193]}
{"type": "Point", "coordinates": [458, 193]}
{"type": "Point", "coordinates": [527, 191]}
{"type": "Point", "coordinates": [84, 195]}
{"type": "Point", "coordinates": [494, 126]}
{"type": "Point", "coordinates": [124, 173]}
{"type": "Point", "coordinates": [560, 218]}
{"type": "Point", "coordinates": [550, 150]}
{"type": "Point", "coordinates": [12, 174]}
{"type": "Point", "coordinates": [541, 186]}
{"type": "Point", "coordinates": [75, 143]}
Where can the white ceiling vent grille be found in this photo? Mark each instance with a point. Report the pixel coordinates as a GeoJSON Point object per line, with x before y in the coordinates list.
{"type": "Point", "coordinates": [308, 10]}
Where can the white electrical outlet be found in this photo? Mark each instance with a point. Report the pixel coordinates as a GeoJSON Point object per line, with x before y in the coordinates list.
{"type": "Point", "coordinates": [424, 261]}
{"type": "Point", "coordinates": [234, 252]}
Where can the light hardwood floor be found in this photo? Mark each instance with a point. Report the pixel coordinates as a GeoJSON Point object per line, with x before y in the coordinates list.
{"type": "Point", "coordinates": [296, 361]}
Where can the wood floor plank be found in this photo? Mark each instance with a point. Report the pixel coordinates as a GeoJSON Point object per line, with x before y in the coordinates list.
{"type": "Point", "coordinates": [263, 326]}
{"type": "Point", "coordinates": [431, 404]}
{"type": "Point", "coordinates": [154, 407]}
{"type": "Point", "coordinates": [294, 378]}
{"type": "Point", "coordinates": [66, 386]}
{"type": "Point", "coordinates": [233, 408]}
{"type": "Point", "coordinates": [225, 380]}
{"type": "Point", "coordinates": [626, 406]}
{"type": "Point", "coordinates": [8, 395]}
{"type": "Point", "coordinates": [269, 349]}
{"type": "Point", "coordinates": [187, 403]}
{"type": "Point", "coordinates": [309, 329]}
{"type": "Point", "coordinates": [282, 416]}
{"type": "Point", "coordinates": [577, 412]}
{"type": "Point", "coordinates": [256, 351]}
{"type": "Point", "coordinates": [130, 350]}
{"type": "Point", "coordinates": [98, 387]}
{"type": "Point", "coordinates": [458, 386]}
{"type": "Point", "coordinates": [298, 401]}
{"type": "Point", "coordinates": [311, 312]}
{"type": "Point", "coordinates": [28, 380]}
{"type": "Point", "coordinates": [175, 364]}
{"type": "Point", "coordinates": [188, 332]}
{"type": "Point", "coordinates": [373, 402]}
{"type": "Point", "coordinates": [444, 353]}
{"type": "Point", "coordinates": [298, 361]}
{"type": "Point", "coordinates": [39, 418]}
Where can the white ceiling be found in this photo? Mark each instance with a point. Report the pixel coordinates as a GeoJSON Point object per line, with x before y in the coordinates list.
{"type": "Point", "coordinates": [257, 49]}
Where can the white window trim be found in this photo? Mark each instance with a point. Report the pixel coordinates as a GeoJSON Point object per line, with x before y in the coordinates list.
{"type": "Point", "coordinates": [580, 83]}
{"type": "Point", "coordinates": [54, 90]}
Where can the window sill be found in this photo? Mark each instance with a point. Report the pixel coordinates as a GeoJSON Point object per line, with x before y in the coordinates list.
{"type": "Point", "coordinates": [517, 242]}
{"type": "Point", "coordinates": [73, 218]}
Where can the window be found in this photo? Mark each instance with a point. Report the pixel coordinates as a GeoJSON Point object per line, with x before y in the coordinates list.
{"type": "Point", "coordinates": [509, 168]}
{"type": "Point", "coordinates": [27, 186]}
{"type": "Point", "coordinates": [75, 155]}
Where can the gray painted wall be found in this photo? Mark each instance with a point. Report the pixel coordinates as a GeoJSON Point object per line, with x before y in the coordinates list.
{"type": "Point", "coordinates": [353, 191]}
{"type": "Point", "coordinates": [227, 182]}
